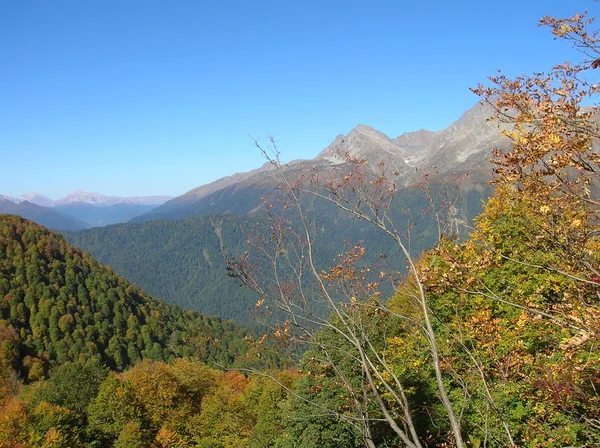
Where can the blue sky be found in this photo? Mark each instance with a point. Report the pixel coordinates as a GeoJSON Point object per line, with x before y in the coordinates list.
{"type": "Point", "coordinates": [148, 97]}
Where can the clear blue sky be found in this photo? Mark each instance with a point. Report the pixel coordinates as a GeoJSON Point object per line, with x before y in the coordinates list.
{"type": "Point", "coordinates": [158, 97]}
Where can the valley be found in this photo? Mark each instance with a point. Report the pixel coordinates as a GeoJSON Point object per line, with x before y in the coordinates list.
{"type": "Point", "coordinates": [175, 253]}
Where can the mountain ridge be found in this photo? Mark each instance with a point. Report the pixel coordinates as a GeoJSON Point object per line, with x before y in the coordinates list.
{"type": "Point", "coordinates": [148, 248]}
{"type": "Point", "coordinates": [80, 196]}
{"type": "Point", "coordinates": [45, 216]}
{"type": "Point", "coordinates": [80, 209]}
{"type": "Point", "coordinates": [465, 145]}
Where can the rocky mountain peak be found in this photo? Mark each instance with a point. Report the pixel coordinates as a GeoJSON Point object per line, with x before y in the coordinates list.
{"type": "Point", "coordinates": [367, 130]}
{"type": "Point", "coordinates": [36, 198]}
{"type": "Point", "coordinates": [415, 141]}
{"type": "Point", "coordinates": [85, 197]}
{"type": "Point", "coordinates": [465, 145]}
{"type": "Point", "coordinates": [362, 142]}
{"type": "Point", "coordinates": [4, 197]}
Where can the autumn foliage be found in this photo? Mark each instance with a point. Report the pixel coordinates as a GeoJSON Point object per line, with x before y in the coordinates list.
{"type": "Point", "coordinates": [488, 341]}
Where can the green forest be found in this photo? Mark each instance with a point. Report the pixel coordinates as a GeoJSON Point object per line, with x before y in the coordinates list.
{"type": "Point", "coordinates": [486, 340]}
{"type": "Point", "coordinates": [184, 261]}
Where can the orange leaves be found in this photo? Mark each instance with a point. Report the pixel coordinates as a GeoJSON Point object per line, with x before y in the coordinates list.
{"type": "Point", "coordinates": [282, 331]}
{"type": "Point", "coordinates": [13, 417]}
{"type": "Point", "coordinates": [357, 285]}
{"type": "Point", "coordinates": [549, 129]}
{"type": "Point", "coordinates": [345, 270]}
{"type": "Point", "coordinates": [571, 28]}
{"type": "Point", "coordinates": [234, 381]}
{"type": "Point", "coordinates": [485, 327]}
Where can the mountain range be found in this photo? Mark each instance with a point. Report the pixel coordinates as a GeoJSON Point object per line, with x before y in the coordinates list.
{"type": "Point", "coordinates": [84, 197]}
{"type": "Point", "coordinates": [178, 251]}
{"type": "Point", "coordinates": [182, 260]}
{"type": "Point", "coordinates": [79, 209]}
{"type": "Point", "coordinates": [45, 216]}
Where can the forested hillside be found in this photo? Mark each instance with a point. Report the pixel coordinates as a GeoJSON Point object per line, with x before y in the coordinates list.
{"type": "Point", "coordinates": [184, 262]}
{"type": "Point", "coordinates": [180, 261]}
{"type": "Point", "coordinates": [59, 305]}
{"type": "Point", "coordinates": [183, 403]}
{"type": "Point", "coordinates": [68, 324]}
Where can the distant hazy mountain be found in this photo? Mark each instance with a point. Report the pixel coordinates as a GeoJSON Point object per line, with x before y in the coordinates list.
{"type": "Point", "coordinates": [98, 210]}
{"type": "Point", "coordinates": [83, 197]}
{"type": "Point", "coordinates": [88, 209]}
{"type": "Point", "coordinates": [35, 198]}
{"type": "Point", "coordinates": [44, 216]}
{"type": "Point", "coordinates": [102, 215]}
{"type": "Point", "coordinates": [463, 146]}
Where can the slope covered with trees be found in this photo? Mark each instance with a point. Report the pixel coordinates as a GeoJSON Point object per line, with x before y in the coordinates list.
{"type": "Point", "coordinates": [69, 325]}
{"type": "Point", "coordinates": [183, 403]}
{"type": "Point", "coordinates": [184, 262]}
{"type": "Point", "coordinates": [59, 304]}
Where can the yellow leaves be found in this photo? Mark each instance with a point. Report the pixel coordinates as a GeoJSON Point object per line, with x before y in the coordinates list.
{"type": "Point", "coordinates": [52, 438]}
{"type": "Point", "coordinates": [396, 340]}
{"type": "Point", "coordinates": [282, 331]}
{"type": "Point", "coordinates": [555, 138]}
{"type": "Point", "coordinates": [481, 316]}
{"type": "Point", "coordinates": [523, 319]}
{"type": "Point", "coordinates": [12, 422]}
{"type": "Point", "coordinates": [544, 209]}
{"type": "Point", "coordinates": [562, 30]}
{"type": "Point", "coordinates": [167, 438]}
